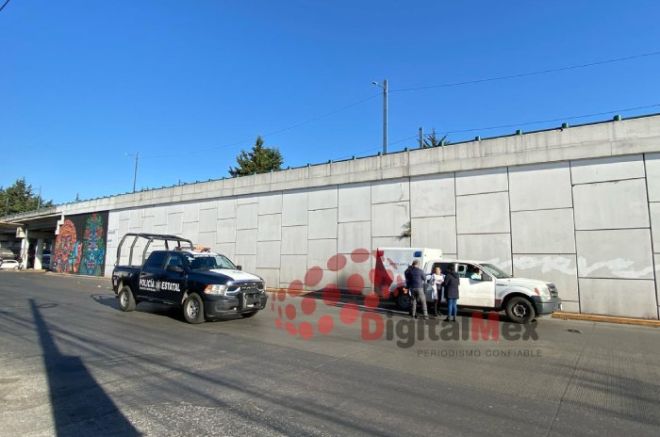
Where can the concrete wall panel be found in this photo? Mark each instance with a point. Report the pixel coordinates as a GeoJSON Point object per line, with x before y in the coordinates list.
{"type": "Point", "coordinates": [226, 230]}
{"type": "Point", "coordinates": [227, 249]}
{"type": "Point", "coordinates": [482, 213]}
{"type": "Point", "coordinates": [540, 186]}
{"type": "Point", "coordinates": [190, 212]}
{"type": "Point", "coordinates": [377, 242]}
{"type": "Point", "coordinates": [294, 240]}
{"type": "Point", "coordinates": [611, 205]}
{"type": "Point", "coordinates": [271, 277]}
{"type": "Point", "coordinates": [322, 224]}
{"type": "Point", "coordinates": [653, 176]}
{"type": "Point", "coordinates": [493, 248]}
{"type": "Point", "coordinates": [175, 223]}
{"type": "Point", "coordinates": [435, 232]}
{"type": "Point", "coordinates": [432, 196]}
{"type": "Point", "coordinates": [246, 216]}
{"type": "Point", "coordinates": [323, 198]}
{"type": "Point", "coordinates": [615, 254]}
{"type": "Point", "coordinates": [654, 209]}
{"type": "Point", "coordinates": [160, 216]}
{"type": "Point", "coordinates": [247, 262]}
{"type": "Point", "coordinates": [270, 203]}
{"type": "Point", "coordinates": [558, 269]}
{"type": "Point", "coordinates": [226, 208]}
{"type": "Point", "coordinates": [544, 231]}
{"type": "Point", "coordinates": [268, 254]}
{"type": "Point", "coordinates": [607, 169]}
{"type": "Point", "coordinates": [618, 297]}
{"type": "Point", "coordinates": [389, 219]}
{"type": "Point", "coordinates": [191, 231]}
{"type": "Point", "coordinates": [270, 227]}
{"type": "Point", "coordinates": [320, 251]}
{"type": "Point", "coordinates": [207, 239]}
{"type": "Point", "coordinates": [208, 220]}
{"type": "Point", "coordinates": [481, 181]}
{"type": "Point", "coordinates": [294, 208]}
{"type": "Point", "coordinates": [390, 191]}
{"type": "Point", "coordinates": [354, 203]}
{"type": "Point", "coordinates": [293, 267]}
{"type": "Point", "coordinates": [354, 235]}
{"type": "Point", "coordinates": [246, 242]}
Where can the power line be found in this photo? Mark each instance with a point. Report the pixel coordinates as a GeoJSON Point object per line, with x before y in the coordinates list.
{"type": "Point", "coordinates": [530, 73]}
{"type": "Point", "coordinates": [3, 6]}
{"type": "Point", "coordinates": [553, 120]}
{"type": "Point", "coordinates": [274, 132]}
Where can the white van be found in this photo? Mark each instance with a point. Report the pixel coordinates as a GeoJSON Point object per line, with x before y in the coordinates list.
{"type": "Point", "coordinates": [521, 299]}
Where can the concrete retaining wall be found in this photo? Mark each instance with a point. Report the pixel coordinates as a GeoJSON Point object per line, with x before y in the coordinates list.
{"type": "Point", "coordinates": [577, 206]}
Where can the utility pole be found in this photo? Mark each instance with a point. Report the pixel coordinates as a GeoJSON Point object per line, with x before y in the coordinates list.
{"type": "Point", "coordinates": [384, 87]}
{"type": "Point", "coordinates": [137, 156]}
{"type": "Point", "coordinates": [421, 138]}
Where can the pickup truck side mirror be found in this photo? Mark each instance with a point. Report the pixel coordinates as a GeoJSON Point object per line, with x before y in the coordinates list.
{"type": "Point", "coordinates": [486, 278]}
{"type": "Point", "coordinates": [239, 267]}
{"type": "Point", "coordinates": [175, 269]}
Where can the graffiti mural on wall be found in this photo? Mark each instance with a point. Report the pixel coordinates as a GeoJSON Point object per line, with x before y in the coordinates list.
{"type": "Point", "coordinates": [80, 245]}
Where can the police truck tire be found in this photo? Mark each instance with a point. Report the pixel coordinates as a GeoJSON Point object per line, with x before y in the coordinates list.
{"type": "Point", "coordinates": [248, 315]}
{"type": "Point", "coordinates": [193, 309]}
{"type": "Point", "coordinates": [126, 299]}
{"type": "Point", "coordinates": [520, 310]}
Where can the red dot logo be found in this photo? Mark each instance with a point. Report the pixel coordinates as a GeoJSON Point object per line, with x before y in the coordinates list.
{"type": "Point", "coordinates": [297, 313]}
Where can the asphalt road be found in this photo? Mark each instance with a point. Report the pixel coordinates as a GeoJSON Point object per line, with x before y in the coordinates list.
{"type": "Point", "coordinates": [71, 363]}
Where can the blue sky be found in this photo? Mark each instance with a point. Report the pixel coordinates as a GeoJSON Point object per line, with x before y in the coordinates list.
{"type": "Point", "coordinates": [190, 84]}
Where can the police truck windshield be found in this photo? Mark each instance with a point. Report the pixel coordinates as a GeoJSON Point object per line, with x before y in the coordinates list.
{"type": "Point", "coordinates": [209, 262]}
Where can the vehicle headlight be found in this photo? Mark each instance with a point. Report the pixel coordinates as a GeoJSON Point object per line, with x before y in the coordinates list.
{"type": "Point", "coordinates": [543, 292]}
{"type": "Point", "coordinates": [261, 286]}
{"type": "Point", "coordinates": [216, 289]}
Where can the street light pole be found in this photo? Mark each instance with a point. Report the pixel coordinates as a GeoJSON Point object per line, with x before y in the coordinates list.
{"type": "Point", "coordinates": [137, 156]}
{"type": "Point", "coordinates": [384, 87]}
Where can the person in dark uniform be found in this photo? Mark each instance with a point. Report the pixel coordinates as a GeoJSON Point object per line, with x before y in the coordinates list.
{"type": "Point", "coordinates": [415, 279]}
{"type": "Point", "coordinates": [450, 286]}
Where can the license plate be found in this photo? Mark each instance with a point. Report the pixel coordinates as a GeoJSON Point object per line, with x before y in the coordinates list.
{"type": "Point", "coordinates": [249, 301]}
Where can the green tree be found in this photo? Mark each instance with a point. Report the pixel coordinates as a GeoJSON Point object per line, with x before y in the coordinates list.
{"type": "Point", "coordinates": [259, 160]}
{"type": "Point", "coordinates": [432, 140]}
{"type": "Point", "coordinates": [20, 197]}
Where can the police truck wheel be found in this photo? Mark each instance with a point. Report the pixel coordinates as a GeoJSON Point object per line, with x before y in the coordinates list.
{"type": "Point", "coordinates": [248, 315]}
{"type": "Point", "coordinates": [520, 310]}
{"type": "Point", "coordinates": [193, 309]}
{"type": "Point", "coordinates": [126, 299]}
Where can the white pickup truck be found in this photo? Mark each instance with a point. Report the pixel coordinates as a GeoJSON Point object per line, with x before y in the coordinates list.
{"type": "Point", "coordinates": [521, 299]}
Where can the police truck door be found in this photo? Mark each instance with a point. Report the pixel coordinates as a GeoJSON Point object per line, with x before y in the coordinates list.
{"type": "Point", "coordinates": [173, 279]}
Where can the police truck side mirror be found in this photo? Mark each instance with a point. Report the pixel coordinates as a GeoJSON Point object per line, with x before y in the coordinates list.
{"type": "Point", "coordinates": [239, 267]}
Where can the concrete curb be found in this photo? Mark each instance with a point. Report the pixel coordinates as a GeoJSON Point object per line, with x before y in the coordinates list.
{"type": "Point", "coordinates": [606, 319]}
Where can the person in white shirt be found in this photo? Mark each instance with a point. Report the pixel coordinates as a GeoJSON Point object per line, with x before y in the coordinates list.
{"type": "Point", "coordinates": [436, 280]}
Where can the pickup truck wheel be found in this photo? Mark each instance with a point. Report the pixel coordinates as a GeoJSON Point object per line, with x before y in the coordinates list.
{"type": "Point", "coordinates": [126, 299]}
{"type": "Point", "coordinates": [193, 309]}
{"type": "Point", "coordinates": [403, 301]}
{"type": "Point", "coordinates": [520, 310]}
{"type": "Point", "coordinates": [248, 315]}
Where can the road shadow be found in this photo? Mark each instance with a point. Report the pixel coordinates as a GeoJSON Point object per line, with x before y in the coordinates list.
{"type": "Point", "coordinates": [79, 404]}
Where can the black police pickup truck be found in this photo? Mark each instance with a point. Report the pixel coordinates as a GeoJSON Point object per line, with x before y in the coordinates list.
{"type": "Point", "coordinates": [206, 285]}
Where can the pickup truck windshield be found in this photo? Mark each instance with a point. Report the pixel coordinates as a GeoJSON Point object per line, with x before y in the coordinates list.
{"type": "Point", "coordinates": [499, 274]}
{"type": "Point", "coordinates": [209, 262]}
